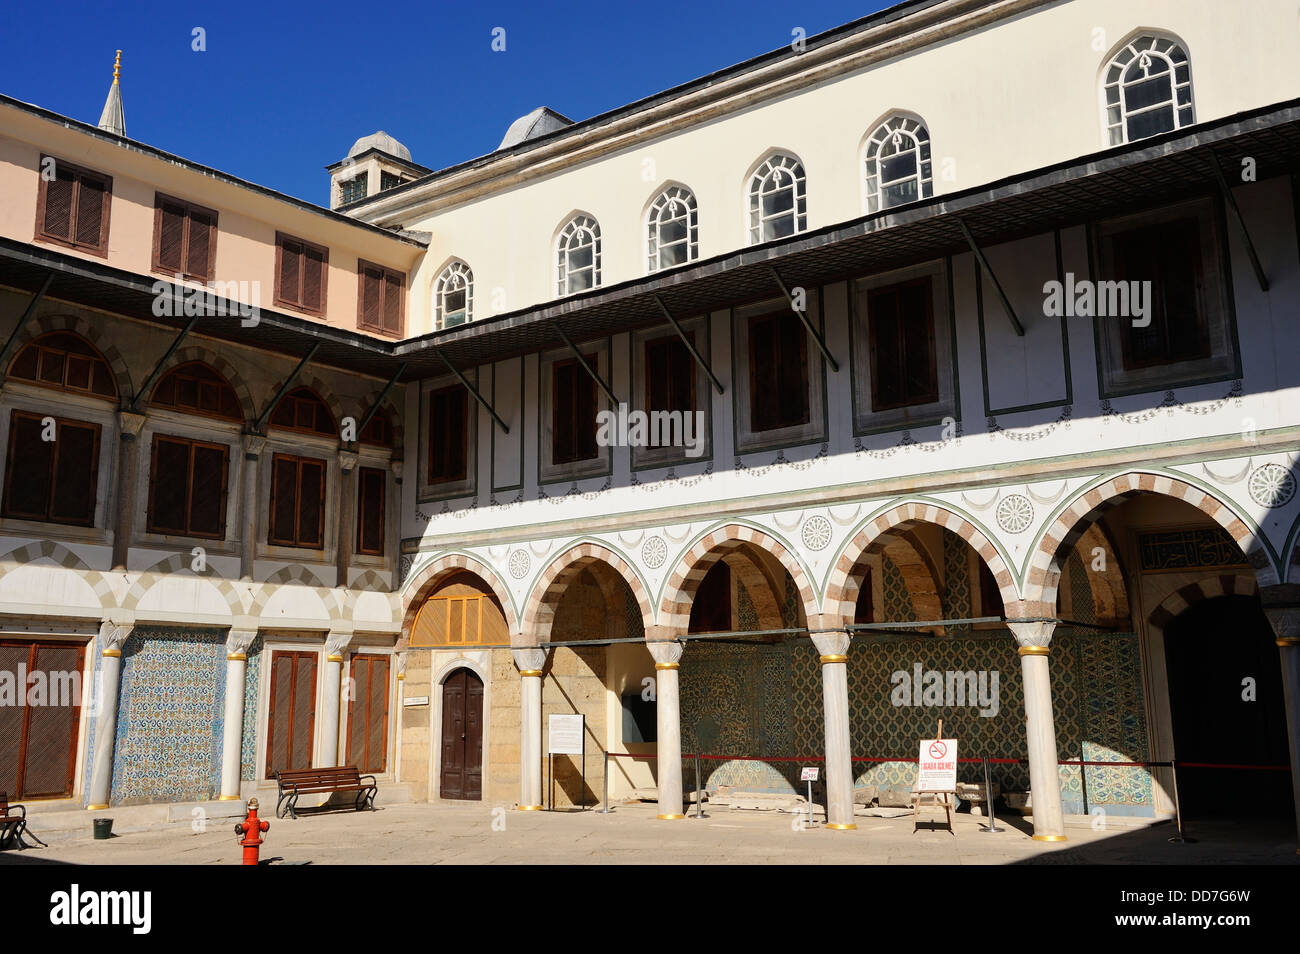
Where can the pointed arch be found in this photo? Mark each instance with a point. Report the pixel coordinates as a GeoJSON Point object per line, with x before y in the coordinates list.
{"type": "Point", "coordinates": [220, 364]}
{"type": "Point", "coordinates": [92, 332]}
{"type": "Point", "coordinates": [1088, 506]}
{"type": "Point", "coordinates": [842, 587]}
{"type": "Point", "coordinates": [549, 587]}
{"type": "Point", "coordinates": [180, 564]}
{"type": "Point", "coordinates": [420, 585]}
{"type": "Point", "coordinates": [680, 588]}
{"type": "Point", "coordinates": [1206, 588]}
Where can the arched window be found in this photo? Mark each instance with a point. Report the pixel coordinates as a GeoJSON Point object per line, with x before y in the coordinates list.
{"type": "Point", "coordinates": [577, 251]}
{"type": "Point", "coordinates": [62, 360]}
{"type": "Point", "coordinates": [672, 228]}
{"type": "Point", "coordinates": [453, 296]}
{"type": "Point", "coordinates": [303, 410]}
{"type": "Point", "coordinates": [1148, 89]}
{"type": "Point", "coordinates": [196, 388]}
{"type": "Point", "coordinates": [778, 200]}
{"type": "Point", "coordinates": [897, 164]}
{"type": "Point", "coordinates": [378, 431]}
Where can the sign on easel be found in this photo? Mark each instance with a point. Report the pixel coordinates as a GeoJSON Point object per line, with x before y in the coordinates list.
{"type": "Point", "coordinates": [565, 735]}
{"type": "Point", "coordinates": [938, 764]}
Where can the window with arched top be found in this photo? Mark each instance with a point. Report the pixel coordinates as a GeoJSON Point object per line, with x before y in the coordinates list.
{"type": "Point", "coordinates": [66, 362]}
{"type": "Point", "coordinates": [378, 430]}
{"type": "Point", "coordinates": [453, 296]}
{"type": "Point", "coordinates": [196, 388]}
{"type": "Point", "coordinates": [672, 229]}
{"type": "Point", "coordinates": [1147, 87]}
{"type": "Point", "coordinates": [778, 199]}
{"type": "Point", "coordinates": [897, 164]}
{"type": "Point", "coordinates": [577, 255]}
{"type": "Point", "coordinates": [303, 410]}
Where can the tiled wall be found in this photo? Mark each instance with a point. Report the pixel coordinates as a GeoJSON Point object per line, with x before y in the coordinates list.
{"type": "Point", "coordinates": [248, 742]}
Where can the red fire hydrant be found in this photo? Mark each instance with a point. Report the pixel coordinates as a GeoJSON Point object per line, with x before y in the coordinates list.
{"type": "Point", "coordinates": [251, 828]}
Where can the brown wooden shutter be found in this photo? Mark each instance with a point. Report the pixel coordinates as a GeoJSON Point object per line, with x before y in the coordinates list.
{"type": "Point", "coordinates": [171, 236]}
{"type": "Point", "coordinates": [92, 195]}
{"type": "Point", "coordinates": [57, 218]}
{"type": "Point", "coordinates": [280, 714]}
{"type": "Point", "coordinates": [311, 503]}
{"type": "Point", "coordinates": [198, 250]}
{"type": "Point", "coordinates": [290, 272]}
{"type": "Point", "coordinates": [313, 279]}
{"type": "Point", "coordinates": [304, 711]}
{"type": "Point", "coordinates": [358, 701]}
{"type": "Point", "coordinates": [76, 467]}
{"type": "Point", "coordinates": [284, 500]}
{"type": "Point", "coordinates": [370, 510]}
{"type": "Point", "coordinates": [12, 719]}
{"type": "Point", "coordinates": [377, 716]}
{"type": "Point", "coordinates": [392, 316]}
{"type": "Point", "coordinates": [51, 728]}
{"type": "Point", "coordinates": [207, 510]}
{"type": "Point", "coordinates": [371, 293]}
{"type": "Point", "coordinates": [29, 467]}
{"type": "Point", "coordinates": [170, 482]}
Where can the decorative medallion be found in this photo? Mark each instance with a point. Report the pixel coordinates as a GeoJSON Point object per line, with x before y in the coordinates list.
{"type": "Point", "coordinates": [1015, 513]}
{"type": "Point", "coordinates": [1272, 486]}
{"type": "Point", "coordinates": [653, 552]}
{"type": "Point", "coordinates": [519, 564]}
{"type": "Point", "coordinates": [816, 533]}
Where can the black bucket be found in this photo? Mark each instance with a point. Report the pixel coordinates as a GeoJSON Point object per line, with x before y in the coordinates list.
{"type": "Point", "coordinates": [103, 828]}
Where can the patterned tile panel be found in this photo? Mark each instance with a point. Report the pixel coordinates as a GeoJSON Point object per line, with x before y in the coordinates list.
{"type": "Point", "coordinates": [248, 741]}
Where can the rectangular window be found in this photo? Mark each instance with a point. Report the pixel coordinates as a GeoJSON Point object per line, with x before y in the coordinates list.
{"type": "Point", "coordinates": [371, 486]}
{"type": "Point", "coordinates": [184, 238]}
{"type": "Point", "coordinates": [389, 181]}
{"type": "Point", "coordinates": [669, 375]}
{"type": "Point", "coordinates": [1168, 255]}
{"type": "Point", "coordinates": [448, 434]}
{"type": "Point", "coordinates": [379, 298]}
{"type": "Point", "coordinates": [778, 372]}
{"type": "Point", "coordinates": [904, 371]}
{"type": "Point", "coordinates": [573, 409]}
{"type": "Point", "coordinates": [291, 724]}
{"type": "Point", "coordinates": [300, 274]}
{"type": "Point", "coordinates": [368, 713]}
{"type": "Point", "coordinates": [297, 516]}
{"type": "Point", "coordinates": [353, 190]}
{"type": "Point", "coordinates": [53, 481]}
{"type": "Point", "coordinates": [187, 487]}
{"type": "Point", "coordinates": [72, 206]}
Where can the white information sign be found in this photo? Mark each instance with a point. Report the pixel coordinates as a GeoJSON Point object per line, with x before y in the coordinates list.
{"type": "Point", "coordinates": [938, 764]}
{"type": "Point", "coordinates": [565, 735]}
{"type": "Point", "coordinates": [808, 775]}
{"type": "Point", "coordinates": [415, 701]}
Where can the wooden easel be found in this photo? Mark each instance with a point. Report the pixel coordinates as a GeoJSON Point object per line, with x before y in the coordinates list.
{"type": "Point", "coordinates": [937, 799]}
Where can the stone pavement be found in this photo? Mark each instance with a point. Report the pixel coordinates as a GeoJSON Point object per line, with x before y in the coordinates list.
{"type": "Point", "coordinates": [630, 834]}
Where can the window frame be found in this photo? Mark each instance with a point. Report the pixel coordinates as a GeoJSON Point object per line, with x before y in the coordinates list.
{"type": "Point", "coordinates": [295, 428]}
{"type": "Point", "coordinates": [429, 490]}
{"type": "Point", "coordinates": [453, 269]}
{"type": "Point", "coordinates": [363, 178]}
{"type": "Point", "coordinates": [11, 461]}
{"type": "Point", "coordinates": [775, 164]}
{"type": "Point", "coordinates": [577, 222]}
{"type": "Point", "coordinates": [896, 125]}
{"type": "Point", "coordinates": [189, 209]}
{"type": "Point", "coordinates": [746, 439]}
{"type": "Point", "coordinates": [100, 248]}
{"type": "Point", "coordinates": [669, 195]}
{"type": "Point", "coordinates": [358, 548]}
{"type": "Point", "coordinates": [1115, 132]}
{"type": "Point", "coordinates": [598, 355]}
{"type": "Point", "coordinates": [193, 444]}
{"type": "Point", "coordinates": [281, 239]}
{"type": "Point", "coordinates": [197, 411]}
{"type": "Point", "coordinates": [297, 543]}
{"type": "Point", "coordinates": [386, 275]}
{"type": "Point", "coordinates": [698, 330]}
{"type": "Point", "coordinates": [63, 385]}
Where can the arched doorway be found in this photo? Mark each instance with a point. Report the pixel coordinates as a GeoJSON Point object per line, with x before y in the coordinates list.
{"type": "Point", "coordinates": [1211, 650]}
{"type": "Point", "coordinates": [462, 737]}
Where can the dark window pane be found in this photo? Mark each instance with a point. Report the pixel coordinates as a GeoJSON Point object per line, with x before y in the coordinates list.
{"type": "Point", "coordinates": [74, 474]}
{"type": "Point", "coordinates": [30, 462]}
{"type": "Point", "coordinates": [207, 513]}
{"type": "Point", "coordinates": [311, 494]}
{"type": "Point", "coordinates": [284, 499]}
{"type": "Point", "coordinates": [171, 478]}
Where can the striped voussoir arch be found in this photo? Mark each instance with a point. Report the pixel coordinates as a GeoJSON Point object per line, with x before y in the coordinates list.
{"type": "Point", "coordinates": [679, 590]}
{"type": "Point", "coordinates": [181, 563]}
{"type": "Point", "coordinates": [430, 577]}
{"type": "Point", "coordinates": [92, 333]}
{"type": "Point", "coordinates": [62, 556]}
{"type": "Point", "coordinates": [549, 589]}
{"type": "Point", "coordinates": [1045, 566]}
{"type": "Point", "coordinates": [842, 588]}
{"type": "Point", "coordinates": [296, 574]}
{"type": "Point", "coordinates": [1226, 584]}
{"type": "Point", "coordinates": [224, 367]}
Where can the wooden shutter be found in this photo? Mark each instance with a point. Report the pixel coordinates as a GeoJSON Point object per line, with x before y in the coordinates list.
{"type": "Point", "coordinates": [311, 503]}
{"type": "Point", "coordinates": [201, 229]}
{"type": "Point", "coordinates": [368, 713]}
{"type": "Point", "coordinates": [12, 721]}
{"type": "Point", "coordinates": [448, 434]}
{"type": "Point", "coordinates": [207, 508]}
{"type": "Point", "coordinates": [289, 275]}
{"type": "Point", "coordinates": [304, 710]}
{"type": "Point", "coordinates": [171, 236]}
{"type": "Point", "coordinates": [284, 500]}
{"type": "Point", "coordinates": [56, 219]}
{"type": "Point", "coordinates": [763, 393]}
{"type": "Point", "coordinates": [370, 510]}
{"type": "Point", "coordinates": [28, 469]}
{"type": "Point", "coordinates": [392, 314]}
{"type": "Point", "coordinates": [292, 720]}
{"type": "Point", "coordinates": [76, 469]}
{"type": "Point", "coordinates": [371, 292]}
{"type": "Point", "coordinates": [313, 279]}
{"type": "Point", "coordinates": [92, 195]}
{"type": "Point", "coordinates": [169, 485]}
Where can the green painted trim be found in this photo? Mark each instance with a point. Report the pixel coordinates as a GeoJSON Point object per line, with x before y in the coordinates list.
{"type": "Point", "coordinates": [492, 473]}
{"type": "Point", "coordinates": [1289, 546]}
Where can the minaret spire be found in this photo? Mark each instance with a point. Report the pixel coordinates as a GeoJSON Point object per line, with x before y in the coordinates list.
{"type": "Point", "coordinates": [112, 119]}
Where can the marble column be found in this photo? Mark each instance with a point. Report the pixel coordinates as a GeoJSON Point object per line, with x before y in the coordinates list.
{"type": "Point", "coordinates": [128, 469]}
{"type": "Point", "coordinates": [399, 668]}
{"type": "Point", "coordinates": [530, 663]}
{"type": "Point", "coordinates": [112, 634]}
{"type": "Point", "coordinates": [668, 717]}
{"type": "Point", "coordinates": [834, 649]}
{"type": "Point", "coordinates": [331, 686]}
{"type": "Point", "coordinates": [1285, 620]}
{"type": "Point", "coordinates": [1033, 640]}
{"type": "Point", "coordinates": [346, 534]}
{"type": "Point", "coordinates": [232, 736]}
{"type": "Point", "coordinates": [253, 447]}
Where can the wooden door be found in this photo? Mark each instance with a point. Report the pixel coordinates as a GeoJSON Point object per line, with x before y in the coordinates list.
{"type": "Point", "coordinates": [368, 713]}
{"type": "Point", "coordinates": [291, 724]}
{"type": "Point", "coordinates": [462, 736]}
{"type": "Point", "coordinates": [39, 725]}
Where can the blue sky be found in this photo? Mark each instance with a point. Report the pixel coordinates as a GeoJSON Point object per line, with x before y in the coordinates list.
{"type": "Point", "coordinates": [285, 88]}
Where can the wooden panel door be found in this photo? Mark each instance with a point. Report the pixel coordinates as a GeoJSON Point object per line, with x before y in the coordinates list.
{"type": "Point", "coordinates": [368, 713]}
{"type": "Point", "coordinates": [291, 724]}
{"type": "Point", "coordinates": [462, 736]}
{"type": "Point", "coordinates": [38, 732]}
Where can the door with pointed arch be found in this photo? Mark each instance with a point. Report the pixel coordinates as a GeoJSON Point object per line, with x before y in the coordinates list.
{"type": "Point", "coordinates": [461, 773]}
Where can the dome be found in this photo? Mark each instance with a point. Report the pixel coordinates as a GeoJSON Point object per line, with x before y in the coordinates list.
{"type": "Point", "coordinates": [383, 142]}
{"type": "Point", "coordinates": [539, 122]}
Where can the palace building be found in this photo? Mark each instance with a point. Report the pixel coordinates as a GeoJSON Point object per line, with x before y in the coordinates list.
{"type": "Point", "coordinates": [952, 360]}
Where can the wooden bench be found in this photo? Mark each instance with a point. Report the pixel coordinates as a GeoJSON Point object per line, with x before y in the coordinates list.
{"type": "Point", "coordinates": [13, 825]}
{"type": "Point", "coordinates": [293, 783]}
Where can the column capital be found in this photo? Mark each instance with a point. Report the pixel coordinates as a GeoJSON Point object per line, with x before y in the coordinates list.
{"type": "Point", "coordinates": [529, 661]}
{"type": "Point", "coordinates": [337, 641]}
{"type": "Point", "coordinates": [831, 644]}
{"type": "Point", "coordinates": [347, 459]}
{"type": "Point", "coordinates": [396, 465]}
{"type": "Point", "coordinates": [666, 654]}
{"type": "Point", "coordinates": [254, 444]}
{"type": "Point", "coordinates": [112, 634]}
{"type": "Point", "coordinates": [238, 641]}
{"type": "Point", "coordinates": [129, 424]}
{"type": "Point", "coordinates": [1031, 635]}
{"type": "Point", "coordinates": [1285, 621]}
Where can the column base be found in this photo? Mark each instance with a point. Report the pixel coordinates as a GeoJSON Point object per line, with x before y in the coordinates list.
{"type": "Point", "coordinates": [529, 808]}
{"type": "Point", "coordinates": [1049, 838]}
{"type": "Point", "coordinates": [849, 827]}
{"type": "Point", "coordinates": [228, 798]}
{"type": "Point", "coordinates": [670, 817]}
{"type": "Point", "coordinates": [95, 808]}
